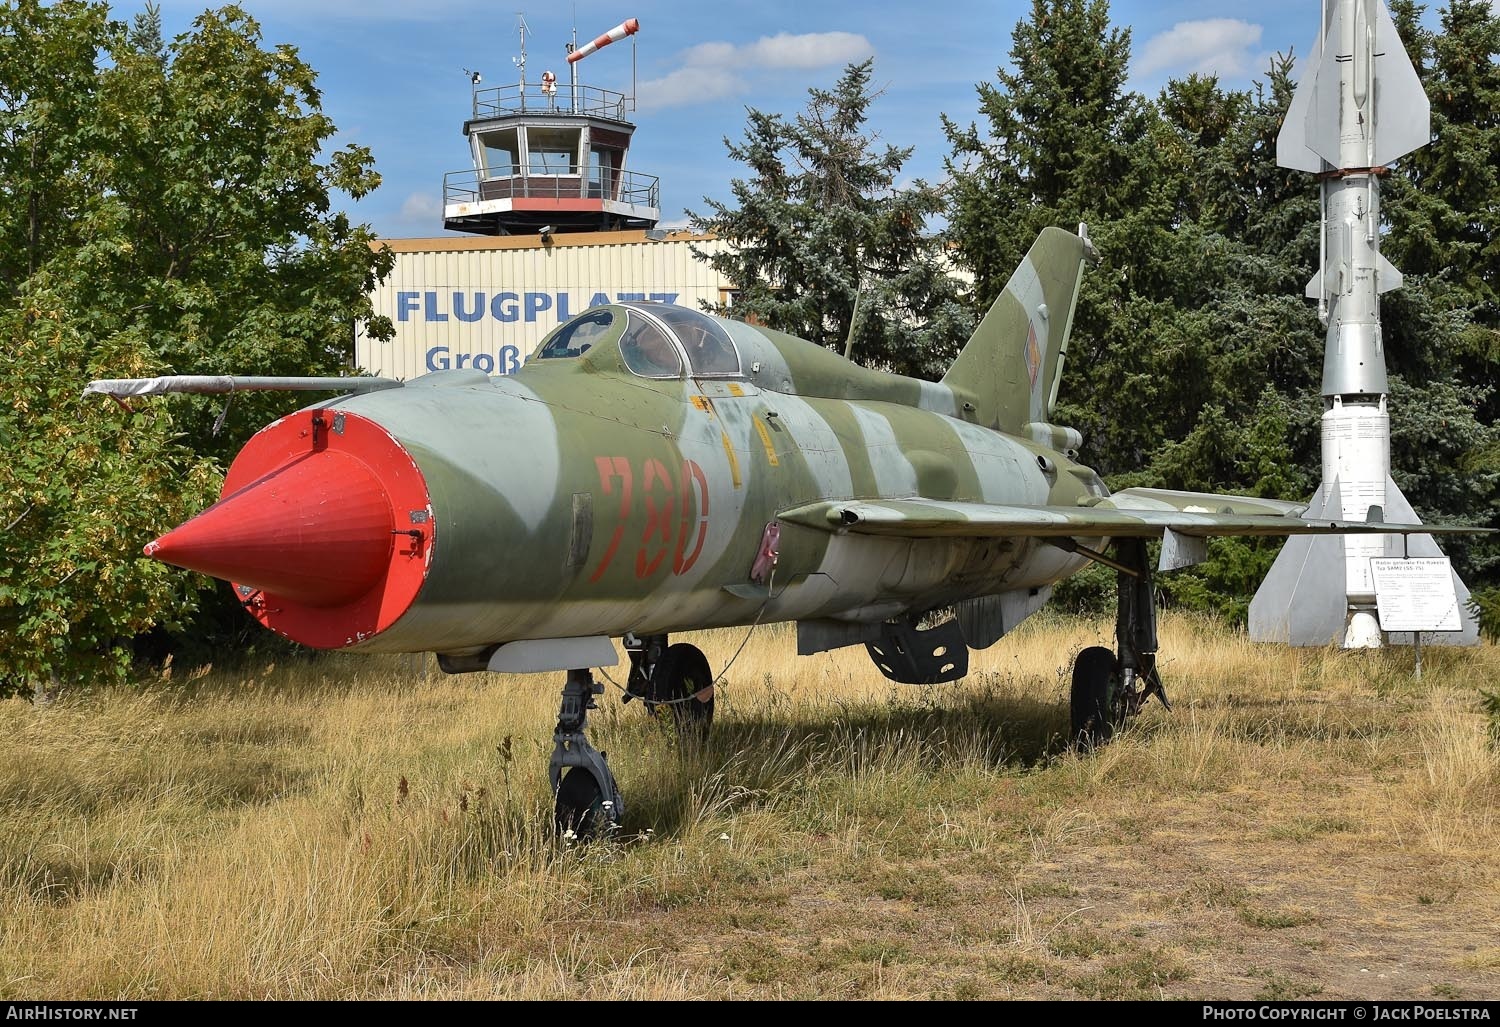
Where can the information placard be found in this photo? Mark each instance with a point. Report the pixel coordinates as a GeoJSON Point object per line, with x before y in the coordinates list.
{"type": "Point", "coordinates": [1416, 595]}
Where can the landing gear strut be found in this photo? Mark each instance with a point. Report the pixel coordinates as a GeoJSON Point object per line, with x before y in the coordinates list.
{"type": "Point", "coordinates": [587, 798]}
{"type": "Point", "coordinates": [674, 681]}
{"type": "Point", "coordinates": [1110, 688]}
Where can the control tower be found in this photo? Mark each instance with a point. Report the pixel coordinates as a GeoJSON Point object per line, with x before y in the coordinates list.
{"type": "Point", "coordinates": [550, 157]}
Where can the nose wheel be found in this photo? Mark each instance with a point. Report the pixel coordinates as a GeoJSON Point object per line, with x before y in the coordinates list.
{"type": "Point", "coordinates": [580, 811]}
{"type": "Point", "coordinates": [676, 685]}
{"type": "Point", "coordinates": [587, 800]}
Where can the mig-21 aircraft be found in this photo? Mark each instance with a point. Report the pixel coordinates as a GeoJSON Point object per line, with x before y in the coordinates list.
{"type": "Point", "coordinates": [653, 469]}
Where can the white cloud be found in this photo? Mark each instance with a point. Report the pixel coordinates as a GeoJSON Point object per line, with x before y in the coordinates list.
{"type": "Point", "coordinates": [1226, 47]}
{"type": "Point", "coordinates": [710, 54]}
{"type": "Point", "coordinates": [422, 208]}
{"type": "Point", "coordinates": [712, 71]}
{"type": "Point", "coordinates": [810, 50]}
{"type": "Point", "coordinates": [689, 85]}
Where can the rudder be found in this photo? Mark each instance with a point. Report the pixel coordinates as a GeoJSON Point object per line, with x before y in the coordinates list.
{"type": "Point", "coordinates": [1010, 367]}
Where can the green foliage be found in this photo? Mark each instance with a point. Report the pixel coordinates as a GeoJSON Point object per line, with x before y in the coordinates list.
{"type": "Point", "coordinates": [1450, 189]}
{"type": "Point", "coordinates": [1089, 593]}
{"type": "Point", "coordinates": [167, 207]}
{"type": "Point", "coordinates": [1490, 703]}
{"type": "Point", "coordinates": [220, 228]}
{"type": "Point", "coordinates": [80, 489]}
{"type": "Point", "coordinates": [823, 243]}
{"type": "Point", "coordinates": [1057, 150]}
{"type": "Point", "coordinates": [49, 86]}
{"type": "Point", "coordinates": [1486, 605]}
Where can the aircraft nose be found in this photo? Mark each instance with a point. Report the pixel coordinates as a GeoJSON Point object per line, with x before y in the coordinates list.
{"type": "Point", "coordinates": [317, 531]}
{"type": "Point", "coordinates": [325, 529]}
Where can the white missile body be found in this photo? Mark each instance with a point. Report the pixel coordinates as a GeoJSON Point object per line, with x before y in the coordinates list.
{"type": "Point", "coordinates": [1359, 106]}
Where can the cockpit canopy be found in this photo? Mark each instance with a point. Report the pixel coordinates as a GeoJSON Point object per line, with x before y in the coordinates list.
{"type": "Point", "coordinates": [656, 340]}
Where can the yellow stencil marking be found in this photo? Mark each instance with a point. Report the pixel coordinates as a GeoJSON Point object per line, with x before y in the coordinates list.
{"type": "Point", "coordinates": [734, 464]}
{"type": "Point", "coordinates": [701, 403]}
{"type": "Point", "coordinates": [765, 440]}
{"type": "Point", "coordinates": [735, 390]}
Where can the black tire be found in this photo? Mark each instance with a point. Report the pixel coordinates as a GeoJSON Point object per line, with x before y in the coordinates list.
{"type": "Point", "coordinates": [1095, 675]}
{"type": "Point", "coordinates": [580, 805]}
{"type": "Point", "coordinates": [682, 674]}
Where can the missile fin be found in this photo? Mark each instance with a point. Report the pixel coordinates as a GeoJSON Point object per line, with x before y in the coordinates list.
{"type": "Point", "coordinates": [1387, 277]}
{"type": "Point", "coordinates": [1403, 115]}
{"type": "Point", "coordinates": [1291, 142]}
{"type": "Point", "coordinates": [1323, 132]}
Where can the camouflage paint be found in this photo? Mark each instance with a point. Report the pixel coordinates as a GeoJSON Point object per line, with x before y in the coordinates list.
{"type": "Point", "coordinates": [673, 482]}
{"type": "Point", "coordinates": [577, 499]}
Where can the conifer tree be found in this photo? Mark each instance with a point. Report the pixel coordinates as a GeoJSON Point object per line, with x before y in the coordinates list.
{"type": "Point", "coordinates": [825, 246]}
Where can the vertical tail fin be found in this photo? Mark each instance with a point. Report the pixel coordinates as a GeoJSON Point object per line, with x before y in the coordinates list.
{"type": "Point", "coordinates": [1010, 367]}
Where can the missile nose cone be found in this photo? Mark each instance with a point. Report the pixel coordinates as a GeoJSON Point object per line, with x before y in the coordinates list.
{"type": "Point", "coordinates": [318, 531]}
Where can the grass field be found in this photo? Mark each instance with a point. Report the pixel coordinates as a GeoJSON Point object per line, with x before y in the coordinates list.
{"type": "Point", "coordinates": [1306, 823]}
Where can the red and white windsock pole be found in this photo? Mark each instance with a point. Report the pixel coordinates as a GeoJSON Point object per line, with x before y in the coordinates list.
{"type": "Point", "coordinates": [629, 27]}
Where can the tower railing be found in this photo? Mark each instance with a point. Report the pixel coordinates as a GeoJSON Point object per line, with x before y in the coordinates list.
{"type": "Point", "coordinates": [620, 186]}
{"type": "Point", "coordinates": [504, 101]}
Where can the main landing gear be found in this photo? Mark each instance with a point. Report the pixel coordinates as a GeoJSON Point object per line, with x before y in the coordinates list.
{"type": "Point", "coordinates": [1110, 688]}
{"type": "Point", "coordinates": [675, 683]}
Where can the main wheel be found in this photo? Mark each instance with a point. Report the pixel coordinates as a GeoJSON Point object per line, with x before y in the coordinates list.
{"type": "Point", "coordinates": [682, 685]}
{"type": "Point", "coordinates": [580, 805]}
{"type": "Point", "coordinates": [1095, 674]}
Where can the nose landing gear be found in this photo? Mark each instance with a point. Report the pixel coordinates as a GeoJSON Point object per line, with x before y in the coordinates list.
{"type": "Point", "coordinates": [674, 681]}
{"type": "Point", "coordinates": [588, 801]}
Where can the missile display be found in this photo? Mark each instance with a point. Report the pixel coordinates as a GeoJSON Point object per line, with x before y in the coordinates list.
{"type": "Point", "coordinates": [1358, 106]}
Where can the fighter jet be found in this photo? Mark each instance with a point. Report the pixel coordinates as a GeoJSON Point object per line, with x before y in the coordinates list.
{"type": "Point", "coordinates": [653, 469]}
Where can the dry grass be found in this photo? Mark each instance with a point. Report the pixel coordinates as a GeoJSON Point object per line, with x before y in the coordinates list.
{"type": "Point", "coordinates": [1306, 823]}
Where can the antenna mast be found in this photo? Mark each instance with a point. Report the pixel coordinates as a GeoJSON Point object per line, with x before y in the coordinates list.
{"type": "Point", "coordinates": [520, 62]}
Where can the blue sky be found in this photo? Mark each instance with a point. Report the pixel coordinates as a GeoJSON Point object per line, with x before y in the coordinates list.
{"type": "Point", "coordinates": [393, 73]}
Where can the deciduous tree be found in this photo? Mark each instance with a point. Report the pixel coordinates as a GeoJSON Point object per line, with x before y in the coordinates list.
{"type": "Point", "coordinates": [164, 207]}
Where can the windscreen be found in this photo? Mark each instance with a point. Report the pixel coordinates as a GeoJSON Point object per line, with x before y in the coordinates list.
{"type": "Point", "coordinates": [576, 337]}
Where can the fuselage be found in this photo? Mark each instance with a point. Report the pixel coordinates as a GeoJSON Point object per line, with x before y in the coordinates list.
{"type": "Point", "coordinates": [581, 498]}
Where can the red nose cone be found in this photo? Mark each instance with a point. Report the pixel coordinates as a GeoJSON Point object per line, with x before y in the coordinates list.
{"type": "Point", "coordinates": [317, 531]}
{"type": "Point", "coordinates": [325, 529]}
